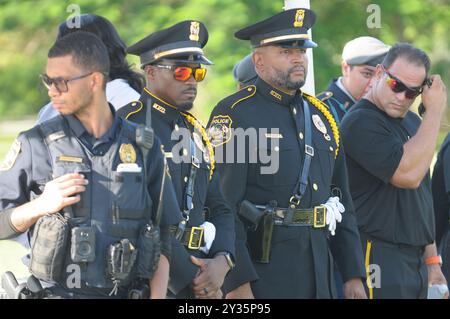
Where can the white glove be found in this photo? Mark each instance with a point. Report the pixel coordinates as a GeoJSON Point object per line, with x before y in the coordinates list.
{"type": "Point", "coordinates": [334, 213]}
{"type": "Point", "coordinates": [209, 233]}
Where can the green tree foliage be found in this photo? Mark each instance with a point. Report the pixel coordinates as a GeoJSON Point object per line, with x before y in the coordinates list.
{"type": "Point", "coordinates": [28, 28]}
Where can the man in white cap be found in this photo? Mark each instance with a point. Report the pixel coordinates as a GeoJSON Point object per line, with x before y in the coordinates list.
{"type": "Point", "coordinates": [360, 56]}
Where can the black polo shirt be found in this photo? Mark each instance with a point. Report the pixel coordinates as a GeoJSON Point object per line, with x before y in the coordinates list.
{"type": "Point", "coordinates": [31, 167]}
{"type": "Point", "coordinates": [374, 147]}
{"type": "Point", "coordinates": [441, 190]}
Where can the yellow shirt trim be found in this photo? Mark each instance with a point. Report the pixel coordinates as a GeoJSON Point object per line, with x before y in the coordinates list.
{"type": "Point", "coordinates": [136, 111]}
{"type": "Point", "coordinates": [154, 96]}
{"type": "Point", "coordinates": [248, 88]}
{"type": "Point", "coordinates": [367, 263]}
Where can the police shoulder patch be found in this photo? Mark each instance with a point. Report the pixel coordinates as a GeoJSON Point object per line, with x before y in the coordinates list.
{"type": "Point", "coordinates": [219, 131]}
{"type": "Point", "coordinates": [11, 156]}
{"type": "Point", "coordinates": [325, 95]}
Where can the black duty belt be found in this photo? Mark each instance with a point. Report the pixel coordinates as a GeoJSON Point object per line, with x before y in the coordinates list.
{"type": "Point", "coordinates": [192, 237]}
{"type": "Point", "coordinates": [315, 217]}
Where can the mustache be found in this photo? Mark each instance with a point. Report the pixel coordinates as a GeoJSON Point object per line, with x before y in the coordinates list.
{"type": "Point", "coordinates": [191, 89]}
{"type": "Point", "coordinates": [297, 68]}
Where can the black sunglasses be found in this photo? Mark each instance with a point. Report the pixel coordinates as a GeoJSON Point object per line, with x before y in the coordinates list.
{"type": "Point", "coordinates": [60, 83]}
{"type": "Point", "coordinates": [398, 86]}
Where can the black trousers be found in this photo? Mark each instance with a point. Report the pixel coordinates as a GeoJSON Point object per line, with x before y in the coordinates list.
{"type": "Point", "coordinates": [444, 250]}
{"type": "Point", "coordinates": [394, 271]}
{"type": "Point", "coordinates": [300, 267]}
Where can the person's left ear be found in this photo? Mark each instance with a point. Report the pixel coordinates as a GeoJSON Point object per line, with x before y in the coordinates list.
{"type": "Point", "coordinates": [378, 71]}
{"type": "Point", "coordinates": [98, 79]}
{"type": "Point", "coordinates": [258, 61]}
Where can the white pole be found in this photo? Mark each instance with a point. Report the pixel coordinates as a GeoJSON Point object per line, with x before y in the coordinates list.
{"type": "Point", "coordinates": [309, 84]}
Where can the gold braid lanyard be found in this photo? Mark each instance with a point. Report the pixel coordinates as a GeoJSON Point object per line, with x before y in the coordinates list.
{"type": "Point", "coordinates": [202, 131]}
{"type": "Point", "coordinates": [322, 108]}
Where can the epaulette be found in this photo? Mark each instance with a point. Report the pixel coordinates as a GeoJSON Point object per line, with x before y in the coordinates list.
{"type": "Point", "coordinates": [137, 107]}
{"type": "Point", "coordinates": [239, 96]}
{"type": "Point", "coordinates": [323, 108]}
{"type": "Point", "coordinates": [325, 95]}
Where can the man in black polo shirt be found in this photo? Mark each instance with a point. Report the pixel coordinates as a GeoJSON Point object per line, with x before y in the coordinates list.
{"type": "Point", "coordinates": [389, 152]}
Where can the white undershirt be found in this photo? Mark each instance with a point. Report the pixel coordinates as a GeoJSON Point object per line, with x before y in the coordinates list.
{"type": "Point", "coordinates": [342, 87]}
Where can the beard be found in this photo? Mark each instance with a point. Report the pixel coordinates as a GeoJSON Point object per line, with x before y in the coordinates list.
{"type": "Point", "coordinates": [189, 102]}
{"type": "Point", "coordinates": [283, 79]}
{"type": "Point", "coordinates": [186, 106]}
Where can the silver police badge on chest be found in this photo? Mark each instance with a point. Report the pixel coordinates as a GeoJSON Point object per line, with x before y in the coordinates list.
{"type": "Point", "coordinates": [320, 125]}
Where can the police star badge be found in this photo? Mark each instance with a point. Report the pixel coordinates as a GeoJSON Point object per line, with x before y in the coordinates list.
{"type": "Point", "coordinates": [219, 131]}
{"type": "Point", "coordinates": [127, 153]}
{"type": "Point", "coordinates": [11, 156]}
{"type": "Point", "coordinates": [299, 17]}
{"type": "Point", "coordinates": [195, 30]}
{"type": "Point", "coordinates": [318, 123]}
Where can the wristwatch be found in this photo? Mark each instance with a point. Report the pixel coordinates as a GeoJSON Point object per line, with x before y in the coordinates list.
{"type": "Point", "coordinates": [434, 260]}
{"type": "Point", "coordinates": [228, 258]}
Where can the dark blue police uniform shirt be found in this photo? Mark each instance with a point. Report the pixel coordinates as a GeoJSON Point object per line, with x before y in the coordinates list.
{"type": "Point", "coordinates": [31, 169]}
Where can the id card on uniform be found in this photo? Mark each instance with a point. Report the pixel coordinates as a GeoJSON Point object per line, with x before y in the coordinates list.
{"type": "Point", "coordinates": [129, 168]}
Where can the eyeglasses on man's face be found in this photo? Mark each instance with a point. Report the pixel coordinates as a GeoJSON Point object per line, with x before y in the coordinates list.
{"type": "Point", "coordinates": [398, 86]}
{"type": "Point", "coordinates": [183, 73]}
{"type": "Point", "coordinates": [60, 83]}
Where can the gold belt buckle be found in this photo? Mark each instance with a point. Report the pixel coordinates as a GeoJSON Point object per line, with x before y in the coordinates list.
{"type": "Point", "coordinates": [319, 216]}
{"type": "Point", "coordinates": [195, 230]}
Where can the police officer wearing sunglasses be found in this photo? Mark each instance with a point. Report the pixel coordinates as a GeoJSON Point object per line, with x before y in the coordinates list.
{"type": "Point", "coordinates": [389, 152]}
{"type": "Point", "coordinates": [203, 245]}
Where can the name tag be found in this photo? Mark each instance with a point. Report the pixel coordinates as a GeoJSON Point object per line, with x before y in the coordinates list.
{"type": "Point", "coordinates": [274, 135]}
{"type": "Point", "coordinates": [129, 168]}
{"type": "Point", "coordinates": [72, 159]}
{"type": "Point", "coordinates": [168, 154]}
{"type": "Point", "coordinates": [159, 108]}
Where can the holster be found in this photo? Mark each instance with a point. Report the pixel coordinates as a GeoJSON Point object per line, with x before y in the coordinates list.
{"type": "Point", "coordinates": [49, 246]}
{"type": "Point", "coordinates": [259, 235]}
{"type": "Point", "coordinates": [149, 251]}
{"type": "Point", "coordinates": [251, 214]}
{"type": "Point", "coordinates": [121, 258]}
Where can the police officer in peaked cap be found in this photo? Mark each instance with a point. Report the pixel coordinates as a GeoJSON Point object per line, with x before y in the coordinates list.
{"type": "Point", "coordinates": [294, 211]}
{"type": "Point", "coordinates": [203, 246]}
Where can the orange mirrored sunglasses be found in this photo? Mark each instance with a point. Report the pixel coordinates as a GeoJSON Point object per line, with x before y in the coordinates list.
{"type": "Point", "coordinates": [183, 73]}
